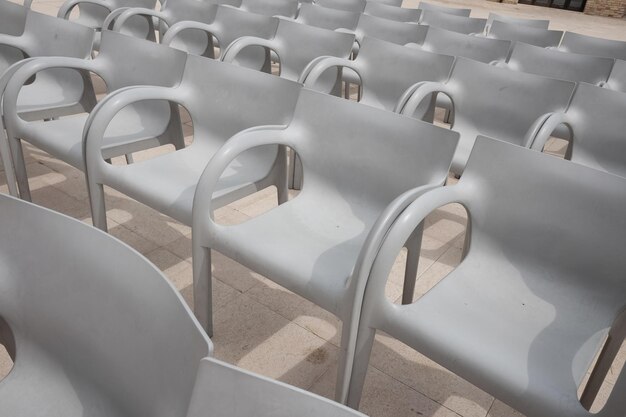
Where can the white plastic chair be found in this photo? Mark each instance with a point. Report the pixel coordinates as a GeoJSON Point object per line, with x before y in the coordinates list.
{"type": "Point", "coordinates": [492, 101]}
{"type": "Point", "coordinates": [137, 128]}
{"type": "Point", "coordinates": [527, 310]}
{"type": "Point", "coordinates": [399, 14]}
{"type": "Point", "coordinates": [538, 23]}
{"type": "Point", "coordinates": [286, 8]}
{"type": "Point", "coordinates": [295, 45]}
{"type": "Point", "coordinates": [589, 45]}
{"type": "Point", "coordinates": [327, 18]}
{"type": "Point", "coordinates": [595, 126]}
{"type": "Point", "coordinates": [522, 33]}
{"type": "Point", "coordinates": [454, 23]}
{"type": "Point", "coordinates": [92, 327]}
{"type": "Point", "coordinates": [319, 244]}
{"type": "Point", "coordinates": [478, 48]}
{"type": "Point", "coordinates": [443, 9]}
{"type": "Point", "coordinates": [356, 6]}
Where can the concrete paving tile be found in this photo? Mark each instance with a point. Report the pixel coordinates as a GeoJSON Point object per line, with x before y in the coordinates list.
{"type": "Point", "coordinates": [386, 397]}
{"type": "Point", "coordinates": [403, 363]}
{"type": "Point", "coordinates": [250, 335]}
{"type": "Point", "coordinates": [499, 409]}
{"type": "Point", "coordinates": [447, 223]}
{"type": "Point", "coordinates": [137, 242]}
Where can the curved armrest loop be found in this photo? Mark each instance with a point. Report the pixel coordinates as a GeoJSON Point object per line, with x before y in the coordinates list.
{"type": "Point", "coordinates": [542, 129]}
{"type": "Point", "coordinates": [129, 12]}
{"type": "Point", "coordinates": [178, 27]}
{"type": "Point", "coordinates": [415, 94]}
{"type": "Point", "coordinates": [68, 6]}
{"type": "Point", "coordinates": [235, 146]}
{"type": "Point", "coordinates": [316, 68]}
{"type": "Point", "coordinates": [238, 45]}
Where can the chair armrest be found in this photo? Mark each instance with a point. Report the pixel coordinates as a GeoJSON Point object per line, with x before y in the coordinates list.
{"type": "Point", "coordinates": [110, 19]}
{"type": "Point", "coordinates": [236, 145]}
{"type": "Point", "coordinates": [14, 41]}
{"type": "Point", "coordinates": [29, 69]}
{"type": "Point", "coordinates": [181, 26]}
{"type": "Point", "coordinates": [104, 112]}
{"type": "Point", "coordinates": [126, 13]}
{"type": "Point", "coordinates": [238, 45]}
{"type": "Point", "coordinates": [542, 129]}
{"type": "Point", "coordinates": [68, 6]}
{"type": "Point", "coordinates": [316, 68]}
{"type": "Point", "coordinates": [414, 95]}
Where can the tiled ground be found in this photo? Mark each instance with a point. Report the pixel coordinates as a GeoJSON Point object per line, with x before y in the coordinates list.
{"type": "Point", "coordinates": [261, 326]}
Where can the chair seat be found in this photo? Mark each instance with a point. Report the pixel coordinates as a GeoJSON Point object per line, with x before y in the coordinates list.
{"type": "Point", "coordinates": [49, 93]}
{"type": "Point", "coordinates": [168, 183]}
{"type": "Point", "coordinates": [134, 128]}
{"type": "Point", "coordinates": [318, 267]}
{"type": "Point", "coordinates": [537, 355]}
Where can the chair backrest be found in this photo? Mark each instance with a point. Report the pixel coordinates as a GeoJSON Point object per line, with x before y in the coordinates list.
{"type": "Point", "coordinates": [348, 5]}
{"type": "Point", "coordinates": [596, 115]}
{"type": "Point", "coordinates": [388, 70]}
{"type": "Point", "coordinates": [299, 44]}
{"type": "Point", "coordinates": [194, 10]}
{"type": "Point", "coordinates": [221, 389]}
{"type": "Point", "coordinates": [589, 45]}
{"type": "Point", "coordinates": [151, 63]}
{"type": "Point", "coordinates": [537, 23]}
{"type": "Point", "coordinates": [287, 8]}
{"type": "Point", "coordinates": [327, 18]}
{"type": "Point", "coordinates": [225, 99]}
{"type": "Point", "coordinates": [12, 18]}
{"type": "Point", "coordinates": [527, 34]}
{"type": "Point", "coordinates": [389, 30]}
{"type": "Point", "coordinates": [399, 14]}
{"type": "Point", "coordinates": [443, 9]}
{"type": "Point", "coordinates": [44, 35]}
{"type": "Point", "coordinates": [574, 213]}
{"type": "Point", "coordinates": [496, 102]}
{"type": "Point", "coordinates": [460, 24]}
{"type": "Point", "coordinates": [96, 326]}
{"type": "Point", "coordinates": [231, 24]}
{"type": "Point", "coordinates": [562, 65]}
{"type": "Point", "coordinates": [617, 79]}
{"type": "Point", "coordinates": [477, 48]}
{"type": "Point", "coordinates": [364, 156]}
{"type": "Point", "coordinates": [394, 3]}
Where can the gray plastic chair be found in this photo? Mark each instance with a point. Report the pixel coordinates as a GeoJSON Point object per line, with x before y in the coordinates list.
{"type": "Point", "coordinates": [477, 48]}
{"type": "Point", "coordinates": [527, 310]}
{"type": "Point", "coordinates": [295, 45]}
{"type": "Point", "coordinates": [394, 3]}
{"type": "Point", "coordinates": [356, 6]}
{"type": "Point", "coordinates": [492, 101]}
{"type": "Point", "coordinates": [210, 91]}
{"type": "Point", "coordinates": [223, 390]}
{"type": "Point", "coordinates": [137, 128]}
{"type": "Point", "coordinates": [617, 79]}
{"type": "Point", "coordinates": [94, 14]}
{"type": "Point", "coordinates": [595, 123]}
{"type": "Point", "coordinates": [527, 34]}
{"type": "Point", "coordinates": [287, 8]}
{"type": "Point", "coordinates": [319, 244]}
{"type": "Point", "coordinates": [53, 93]}
{"type": "Point", "coordinates": [589, 45]}
{"type": "Point", "coordinates": [561, 65]}
{"type": "Point", "coordinates": [389, 30]}
{"type": "Point", "coordinates": [443, 9]}
{"type": "Point", "coordinates": [385, 71]}
{"type": "Point", "coordinates": [327, 18]}
{"type": "Point", "coordinates": [460, 24]}
{"type": "Point", "coordinates": [172, 12]}
{"type": "Point", "coordinates": [537, 23]}
{"type": "Point", "coordinates": [93, 327]}
{"type": "Point", "coordinates": [399, 14]}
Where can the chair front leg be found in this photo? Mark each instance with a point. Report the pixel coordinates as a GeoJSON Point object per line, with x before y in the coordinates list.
{"type": "Point", "coordinates": [202, 287]}
{"type": "Point", "coordinates": [21, 175]}
{"type": "Point", "coordinates": [413, 246]}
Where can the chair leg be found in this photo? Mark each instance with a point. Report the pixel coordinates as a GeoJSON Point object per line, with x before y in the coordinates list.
{"type": "Point", "coordinates": [7, 162]}
{"type": "Point", "coordinates": [413, 246]}
{"type": "Point", "coordinates": [129, 158]}
{"type": "Point", "coordinates": [364, 343]}
{"type": "Point", "coordinates": [98, 206]}
{"type": "Point", "coordinates": [202, 287]}
{"type": "Point", "coordinates": [282, 175]}
{"type": "Point", "coordinates": [346, 91]}
{"type": "Point", "coordinates": [297, 173]}
{"type": "Point", "coordinates": [20, 168]}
